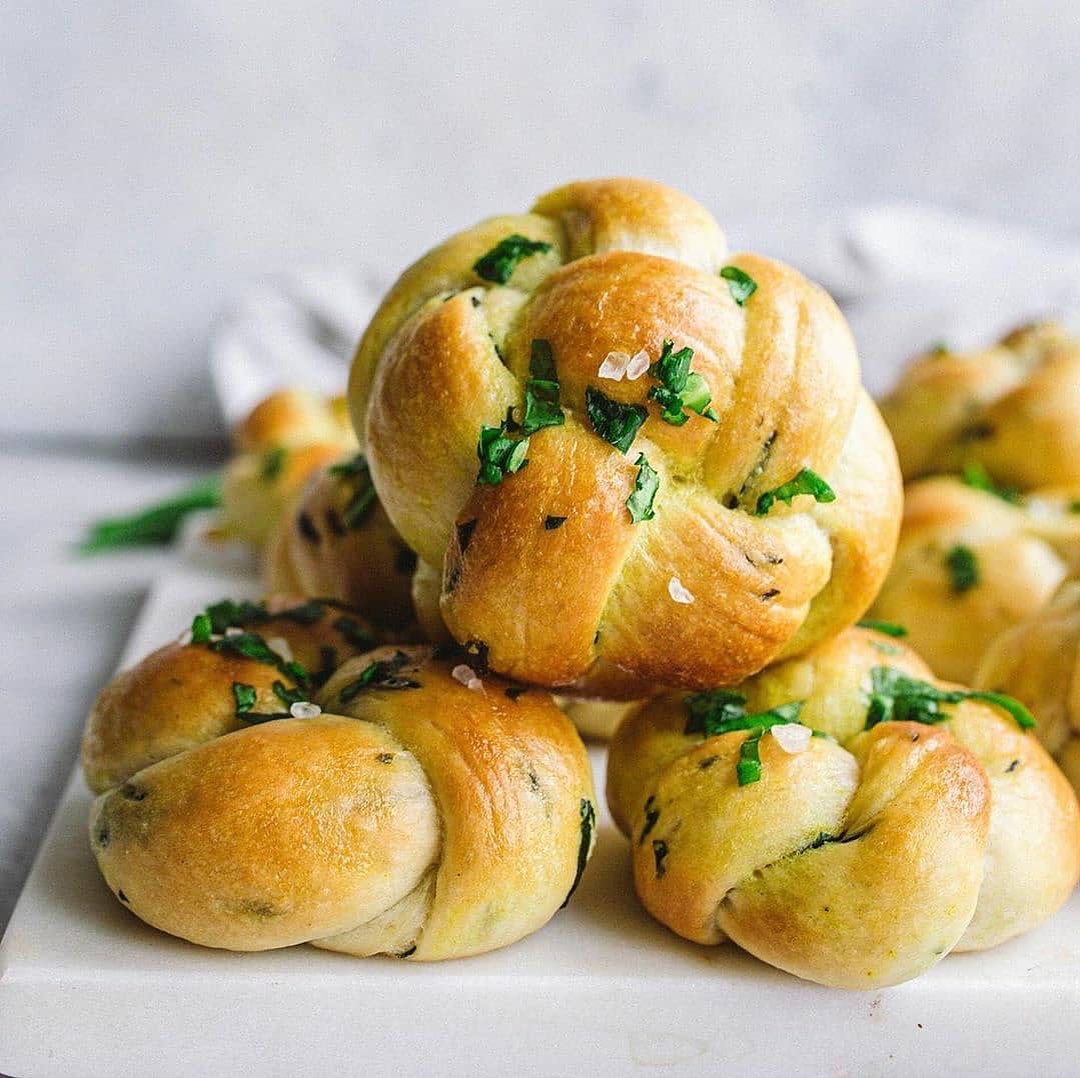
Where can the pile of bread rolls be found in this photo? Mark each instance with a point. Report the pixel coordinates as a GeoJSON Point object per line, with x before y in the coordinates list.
{"type": "Point", "coordinates": [599, 469]}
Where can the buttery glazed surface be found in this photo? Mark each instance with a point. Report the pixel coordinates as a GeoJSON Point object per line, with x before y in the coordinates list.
{"type": "Point", "coordinates": [1021, 553]}
{"type": "Point", "coordinates": [429, 821]}
{"type": "Point", "coordinates": [631, 264]}
{"type": "Point", "coordinates": [858, 862]}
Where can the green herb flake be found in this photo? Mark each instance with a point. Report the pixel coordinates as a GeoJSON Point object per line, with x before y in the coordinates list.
{"type": "Point", "coordinates": [748, 769]}
{"type": "Point", "coordinates": [805, 482]}
{"type": "Point", "coordinates": [886, 627]}
{"type": "Point", "coordinates": [155, 526]}
{"type": "Point", "coordinates": [201, 629]}
{"type": "Point", "coordinates": [977, 477]}
{"type": "Point", "coordinates": [499, 454]}
{"type": "Point", "coordinates": [244, 695]}
{"type": "Point", "coordinates": [741, 285]}
{"type": "Point", "coordinates": [587, 813]}
{"type": "Point", "coordinates": [551, 522]}
{"type": "Point", "coordinates": [679, 387]}
{"type": "Point", "coordinates": [381, 674]}
{"type": "Point", "coordinates": [896, 697]}
{"type": "Point", "coordinates": [272, 463]}
{"type": "Point", "coordinates": [614, 422]}
{"type": "Point", "coordinates": [963, 569]}
{"type": "Point", "coordinates": [499, 263]}
{"type": "Point", "coordinates": [542, 406]}
{"type": "Point", "coordinates": [720, 711]}
{"type": "Point", "coordinates": [646, 484]}
{"type": "Point", "coordinates": [289, 696]}
{"type": "Point", "coordinates": [356, 634]}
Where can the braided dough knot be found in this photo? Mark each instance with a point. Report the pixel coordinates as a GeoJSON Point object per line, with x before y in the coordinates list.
{"type": "Point", "coordinates": [546, 564]}
{"type": "Point", "coordinates": [856, 859]}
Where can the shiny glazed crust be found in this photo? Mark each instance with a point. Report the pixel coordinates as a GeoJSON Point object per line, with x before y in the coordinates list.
{"type": "Point", "coordinates": [862, 860]}
{"type": "Point", "coordinates": [181, 695]}
{"type": "Point", "coordinates": [428, 820]}
{"type": "Point", "coordinates": [631, 264]}
{"type": "Point", "coordinates": [1013, 407]}
{"type": "Point", "coordinates": [1021, 553]}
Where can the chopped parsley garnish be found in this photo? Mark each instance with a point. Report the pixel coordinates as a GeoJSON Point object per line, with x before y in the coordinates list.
{"type": "Point", "coordinates": [805, 482]}
{"type": "Point", "coordinates": [244, 696]}
{"type": "Point", "coordinates": [355, 475]}
{"type": "Point", "coordinates": [272, 463]}
{"type": "Point", "coordinates": [289, 696]}
{"type": "Point", "coordinates": [614, 422]}
{"type": "Point", "coordinates": [551, 523]}
{"type": "Point", "coordinates": [660, 852]}
{"type": "Point", "coordinates": [741, 285]}
{"type": "Point", "coordinates": [679, 387]}
{"type": "Point", "coordinates": [381, 674]}
{"type": "Point", "coordinates": [646, 484]}
{"type": "Point", "coordinates": [253, 646]}
{"type": "Point", "coordinates": [499, 263]}
{"type": "Point", "coordinates": [499, 454]}
{"type": "Point", "coordinates": [720, 711]}
{"type": "Point", "coordinates": [896, 697]}
{"type": "Point", "coordinates": [976, 476]}
{"type": "Point", "coordinates": [748, 769]}
{"type": "Point", "coordinates": [588, 826]}
{"type": "Point", "coordinates": [542, 407]}
{"type": "Point", "coordinates": [886, 627]}
{"type": "Point", "coordinates": [202, 629]}
{"type": "Point", "coordinates": [157, 525]}
{"type": "Point", "coordinates": [963, 568]}
{"type": "Point", "coordinates": [228, 613]}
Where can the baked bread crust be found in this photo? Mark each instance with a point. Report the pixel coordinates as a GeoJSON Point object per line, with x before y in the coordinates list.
{"type": "Point", "coordinates": [337, 541]}
{"type": "Point", "coordinates": [288, 437]}
{"type": "Point", "coordinates": [181, 694]}
{"type": "Point", "coordinates": [1014, 408]}
{"type": "Point", "coordinates": [859, 861]}
{"type": "Point", "coordinates": [1037, 662]}
{"type": "Point", "coordinates": [631, 264]}
{"type": "Point", "coordinates": [425, 819]}
{"type": "Point", "coordinates": [1018, 554]}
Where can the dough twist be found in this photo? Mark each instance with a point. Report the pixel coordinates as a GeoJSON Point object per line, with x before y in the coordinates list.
{"type": "Point", "coordinates": [970, 564]}
{"type": "Point", "coordinates": [1014, 408]}
{"type": "Point", "coordinates": [856, 859]}
{"type": "Point", "coordinates": [416, 816]}
{"type": "Point", "coordinates": [505, 331]}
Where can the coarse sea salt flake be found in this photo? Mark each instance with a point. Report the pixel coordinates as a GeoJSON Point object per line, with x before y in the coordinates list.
{"type": "Point", "coordinates": [281, 646]}
{"type": "Point", "coordinates": [637, 366]}
{"type": "Point", "coordinates": [303, 709]}
{"type": "Point", "coordinates": [792, 737]}
{"type": "Point", "coordinates": [614, 366]}
{"type": "Point", "coordinates": [678, 592]}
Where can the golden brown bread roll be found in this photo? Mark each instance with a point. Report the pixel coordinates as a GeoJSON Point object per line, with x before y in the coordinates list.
{"type": "Point", "coordinates": [418, 816]}
{"type": "Point", "coordinates": [970, 564]}
{"type": "Point", "coordinates": [190, 691]}
{"type": "Point", "coordinates": [1014, 408]}
{"type": "Point", "coordinates": [925, 820]}
{"type": "Point", "coordinates": [1037, 662]}
{"type": "Point", "coordinates": [287, 437]}
{"type": "Point", "coordinates": [753, 513]}
{"type": "Point", "coordinates": [336, 541]}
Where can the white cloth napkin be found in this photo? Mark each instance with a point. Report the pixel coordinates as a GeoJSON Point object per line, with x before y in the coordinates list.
{"type": "Point", "coordinates": [906, 276]}
{"type": "Point", "coordinates": [909, 276]}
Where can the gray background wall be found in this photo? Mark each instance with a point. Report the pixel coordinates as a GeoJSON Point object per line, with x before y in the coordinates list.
{"type": "Point", "coordinates": [153, 157]}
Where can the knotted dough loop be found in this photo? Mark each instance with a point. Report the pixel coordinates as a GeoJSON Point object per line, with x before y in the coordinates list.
{"type": "Point", "coordinates": [1038, 662]}
{"type": "Point", "coordinates": [855, 862]}
{"type": "Point", "coordinates": [971, 564]}
{"type": "Point", "coordinates": [416, 816]}
{"type": "Point", "coordinates": [1013, 408]}
{"type": "Point", "coordinates": [547, 566]}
